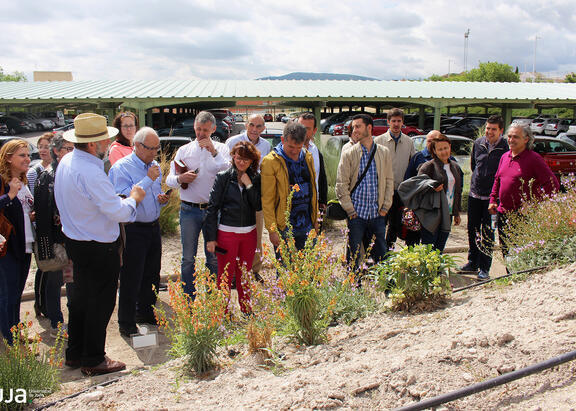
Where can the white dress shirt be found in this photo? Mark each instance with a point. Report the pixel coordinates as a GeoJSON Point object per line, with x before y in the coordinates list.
{"type": "Point", "coordinates": [262, 145]}
{"type": "Point", "coordinates": [194, 157]}
{"type": "Point", "coordinates": [89, 208]}
{"type": "Point", "coordinates": [316, 156]}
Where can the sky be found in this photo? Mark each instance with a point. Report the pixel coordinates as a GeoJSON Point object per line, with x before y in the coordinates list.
{"type": "Point", "coordinates": [242, 40]}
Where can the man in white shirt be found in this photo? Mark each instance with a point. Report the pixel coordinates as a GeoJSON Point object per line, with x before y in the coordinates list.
{"type": "Point", "coordinates": [194, 170]}
{"type": "Point", "coordinates": [90, 212]}
{"type": "Point", "coordinates": [254, 128]}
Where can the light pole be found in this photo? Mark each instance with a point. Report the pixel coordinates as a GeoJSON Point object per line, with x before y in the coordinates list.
{"type": "Point", "coordinates": [534, 61]}
{"type": "Point", "coordinates": [466, 35]}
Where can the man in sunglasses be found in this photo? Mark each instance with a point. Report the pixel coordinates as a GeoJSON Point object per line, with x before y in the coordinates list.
{"type": "Point", "coordinates": [140, 272]}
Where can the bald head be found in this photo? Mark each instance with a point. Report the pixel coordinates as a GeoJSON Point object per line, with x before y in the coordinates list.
{"type": "Point", "coordinates": [432, 134]}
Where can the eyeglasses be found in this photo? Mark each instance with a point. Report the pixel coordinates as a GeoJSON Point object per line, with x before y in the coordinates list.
{"type": "Point", "coordinates": [157, 148]}
{"type": "Point", "coordinates": [244, 160]}
{"type": "Point", "coordinates": [68, 149]}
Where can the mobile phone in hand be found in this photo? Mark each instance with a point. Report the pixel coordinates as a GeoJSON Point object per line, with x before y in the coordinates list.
{"type": "Point", "coordinates": [220, 250]}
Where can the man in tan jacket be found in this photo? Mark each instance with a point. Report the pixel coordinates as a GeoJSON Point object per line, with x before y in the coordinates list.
{"type": "Point", "coordinates": [402, 149]}
{"type": "Point", "coordinates": [368, 204]}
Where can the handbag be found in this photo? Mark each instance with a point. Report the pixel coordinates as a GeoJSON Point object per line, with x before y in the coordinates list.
{"type": "Point", "coordinates": [56, 263]}
{"type": "Point", "coordinates": [410, 220]}
{"type": "Point", "coordinates": [334, 211]}
{"type": "Point", "coordinates": [6, 226]}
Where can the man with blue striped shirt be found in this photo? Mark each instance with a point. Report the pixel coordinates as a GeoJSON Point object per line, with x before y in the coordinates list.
{"type": "Point", "coordinates": [140, 272]}
{"type": "Point", "coordinates": [367, 206]}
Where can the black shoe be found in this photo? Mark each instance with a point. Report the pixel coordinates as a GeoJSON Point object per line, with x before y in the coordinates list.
{"type": "Point", "coordinates": [163, 287]}
{"type": "Point", "coordinates": [146, 320]}
{"type": "Point", "coordinates": [468, 269]}
{"type": "Point", "coordinates": [129, 331]}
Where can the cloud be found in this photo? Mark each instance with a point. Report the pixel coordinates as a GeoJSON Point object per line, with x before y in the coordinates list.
{"type": "Point", "coordinates": [236, 39]}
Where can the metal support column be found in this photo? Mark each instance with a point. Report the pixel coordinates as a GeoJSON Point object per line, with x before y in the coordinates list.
{"type": "Point", "coordinates": [317, 139]}
{"type": "Point", "coordinates": [421, 117]}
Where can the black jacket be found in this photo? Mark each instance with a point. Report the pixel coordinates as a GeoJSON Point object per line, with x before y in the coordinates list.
{"type": "Point", "coordinates": [48, 227]}
{"type": "Point", "coordinates": [234, 207]}
{"type": "Point", "coordinates": [484, 164]}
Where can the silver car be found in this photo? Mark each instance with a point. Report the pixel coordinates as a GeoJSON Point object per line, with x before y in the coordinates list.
{"type": "Point", "coordinates": [556, 126]}
{"type": "Point", "coordinates": [539, 124]}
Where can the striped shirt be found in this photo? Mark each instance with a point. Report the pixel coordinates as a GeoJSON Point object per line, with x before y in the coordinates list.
{"type": "Point", "coordinates": [365, 197]}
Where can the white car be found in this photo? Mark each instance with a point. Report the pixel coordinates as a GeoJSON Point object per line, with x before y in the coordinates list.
{"type": "Point", "coordinates": [539, 124]}
{"type": "Point", "coordinates": [556, 126]}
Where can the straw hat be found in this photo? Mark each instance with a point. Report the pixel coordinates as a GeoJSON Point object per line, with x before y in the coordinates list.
{"type": "Point", "coordinates": [88, 128]}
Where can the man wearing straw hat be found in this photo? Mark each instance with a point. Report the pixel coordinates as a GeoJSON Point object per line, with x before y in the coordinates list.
{"type": "Point", "coordinates": [90, 212]}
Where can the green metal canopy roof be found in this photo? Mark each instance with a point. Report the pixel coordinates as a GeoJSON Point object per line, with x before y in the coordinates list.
{"type": "Point", "coordinates": [118, 90]}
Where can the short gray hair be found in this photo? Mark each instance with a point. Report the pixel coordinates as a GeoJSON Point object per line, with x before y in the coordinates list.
{"type": "Point", "coordinates": [141, 134]}
{"type": "Point", "coordinates": [56, 144]}
{"type": "Point", "coordinates": [205, 117]}
{"type": "Point", "coordinates": [256, 115]}
{"type": "Point", "coordinates": [295, 132]}
{"type": "Point", "coordinates": [526, 133]}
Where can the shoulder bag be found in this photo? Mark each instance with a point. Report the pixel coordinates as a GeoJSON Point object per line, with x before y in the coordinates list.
{"type": "Point", "coordinates": [6, 226]}
{"type": "Point", "coordinates": [334, 211]}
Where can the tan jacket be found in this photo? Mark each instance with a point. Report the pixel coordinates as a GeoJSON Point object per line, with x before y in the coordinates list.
{"type": "Point", "coordinates": [349, 171]}
{"type": "Point", "coordinates": [401, 154]}
{"type": "Point", "coordinates": [276, 187]}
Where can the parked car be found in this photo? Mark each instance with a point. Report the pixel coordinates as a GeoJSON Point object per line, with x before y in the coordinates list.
{"type": "Point", "coordinates": [286, 119]}
{"type": "Point", "coordinates": [272, 135]}
{"type": "Point", "coordinates": [539, 124]}
{"type": "Point", "coordinates": [279, 117]}
{"type": "Point", "coordinates": [336, 129]}
{"type": "Point", "coordinates": [325, 123]}
{"type": "Point", "coordinates": [558, 154]}
{"type": "Point", "coordinates": [381, 126]}
{"type": "Point", "coordinates": [15, 125]}
{"type": "Point", "coordinates": [3, 130]}
{"type": "Point", "coordinates": [238, 118]}
{"type": "Point", "coordinates": [37, 122]}
{"type": "Point", "coordinates": [268, 117]}
{"type": "Point", "coordinates": [62, 129]}
{"type": "Point", "coordinates": [522, 121]}
{"type": "Point", "coordinates": [56, 116]}
{"type": "Point", "coordinates": [468, 127]}
{"type": "Point", "coordinates": [185, 128]}
{"type": "Point", "coordinates": [556, 126]}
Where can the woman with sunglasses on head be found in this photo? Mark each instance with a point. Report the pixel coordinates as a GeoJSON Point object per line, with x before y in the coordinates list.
{"type": "Point", "coordinates": [127, 123]}
{"type": "Point", "coordinates": [231, 219]}
{"type": "Point", "coordinates": [16, 204]}
{"type": "Point", "coordinates": [43, 145]}
{"type": "Point", "coordinates": [48, 233]}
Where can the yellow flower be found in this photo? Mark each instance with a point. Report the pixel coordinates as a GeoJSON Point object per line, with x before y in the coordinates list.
{"type": "Point", "coordinates": [296, 187]}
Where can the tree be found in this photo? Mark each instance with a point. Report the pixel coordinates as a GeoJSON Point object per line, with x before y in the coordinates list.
{"type": "Point", "coordinates": [570, 78]}
{"type": "Point", "coordinates": [493, 71]}
{"type": "Point", "coordinates": [15, 76]}
{"type": "Point", "coordinates": [490, 71]}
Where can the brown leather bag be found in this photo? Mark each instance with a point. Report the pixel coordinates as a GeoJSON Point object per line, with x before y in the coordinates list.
{"type": "Point", "coordinates": [6, 226]}
{"type": "Point", "coordinates": [181, 168]}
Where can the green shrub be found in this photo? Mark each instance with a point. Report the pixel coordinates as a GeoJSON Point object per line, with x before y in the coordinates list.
{"type": "Point", "coordinates": [414, 275]}
{"type": "Point", "coordinates": [23, 366]}
{"type": "Point", "coordinates": [543, 232]}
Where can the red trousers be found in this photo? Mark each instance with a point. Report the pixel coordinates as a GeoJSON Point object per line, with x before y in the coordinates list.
{"type": "Point", "coordinates": [241, 249]}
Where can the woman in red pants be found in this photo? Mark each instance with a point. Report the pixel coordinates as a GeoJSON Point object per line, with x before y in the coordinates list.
{"type": "Point", "coordinates": [231, 219]}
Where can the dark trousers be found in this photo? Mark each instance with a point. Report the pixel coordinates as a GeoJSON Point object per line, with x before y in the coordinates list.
{"type": "Point", "coordinates": [96, 272]}
{"type": "Point", "coordinates": [13, 274]}
{"type": "Point", "coordinates": [299, 242]}
{"type": "Point", "coordinates": [437, 238]}
{"type": "Point", "coordinates": [394, 220]}
{"type": "Point", "coordinates": [140, 272]}
{"type": "Point", "coordinates": [48, 291]}
{"type": "Point", "coordinates": [480, 234]}
{"type": "Point", "coordinates": [502, 233]}
{"type": "Point", "coordinates": [360, 229]}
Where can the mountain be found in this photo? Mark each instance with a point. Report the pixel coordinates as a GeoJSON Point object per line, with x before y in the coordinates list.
{"type": "Point", "coordinates": [316, 76]}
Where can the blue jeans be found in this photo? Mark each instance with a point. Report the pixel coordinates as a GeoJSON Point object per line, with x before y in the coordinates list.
{"type": "Point", "coordinates": [191, 223]}
{"type": "Point", "coordinates": [360, 228]}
